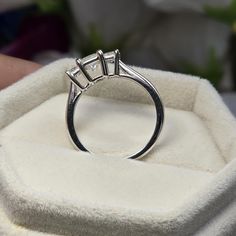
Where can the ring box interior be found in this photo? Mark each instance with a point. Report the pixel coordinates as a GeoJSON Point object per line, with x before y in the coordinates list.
{"type": "Point", "coordinates": [185, 185]}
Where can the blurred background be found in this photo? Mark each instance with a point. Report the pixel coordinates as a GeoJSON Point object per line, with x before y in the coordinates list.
{"type": "Point", "coordinates": [195, 37]}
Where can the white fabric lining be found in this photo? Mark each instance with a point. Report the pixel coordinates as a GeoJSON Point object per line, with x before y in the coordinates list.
{"type": "Point", "coordinates": [181, 189]}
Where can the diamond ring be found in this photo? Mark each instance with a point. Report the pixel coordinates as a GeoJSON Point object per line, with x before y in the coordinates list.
{"type": "Point", "coordinates": [85, 75]}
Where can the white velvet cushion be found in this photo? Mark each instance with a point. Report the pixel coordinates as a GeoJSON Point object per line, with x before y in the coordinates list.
{"type": "Point", "coordinates": [38, 147]}
{"type": "Point", "coordinates": [47, 185]}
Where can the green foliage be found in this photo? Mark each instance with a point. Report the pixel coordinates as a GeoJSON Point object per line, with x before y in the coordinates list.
{"type": "Point", "coordinates": [51, 6]}
{"type": "Point", "coordinates": [226, 15]}
{"type": "Point", "coordinates": [213, 70]}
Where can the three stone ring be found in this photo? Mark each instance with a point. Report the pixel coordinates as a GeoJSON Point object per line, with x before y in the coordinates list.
{"type": "Point", "coordinates": [81, 79]}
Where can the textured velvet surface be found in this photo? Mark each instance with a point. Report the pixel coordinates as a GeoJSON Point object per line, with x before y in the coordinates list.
{"type": "Point", "coordinates": [184, 186]}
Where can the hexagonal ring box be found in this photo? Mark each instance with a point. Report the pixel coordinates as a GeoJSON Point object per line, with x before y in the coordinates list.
{"type": "Point", "coordinates": [185, 186]}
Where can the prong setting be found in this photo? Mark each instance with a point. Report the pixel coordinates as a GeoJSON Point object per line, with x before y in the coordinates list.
{"type": "Point", "coordinates": [82, 69]}
{"type": "Point", "coordinates": [103, 62]}
{"type": "Point", "coordinates": [81, 73]}
{"type": "Point", "coordinates": [75, 81]}
{"type": "Point", "coordinates": [117, 62]}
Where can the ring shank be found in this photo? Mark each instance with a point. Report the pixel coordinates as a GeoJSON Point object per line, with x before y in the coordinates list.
{"type": "Point", "coordinates": [139, 79]}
